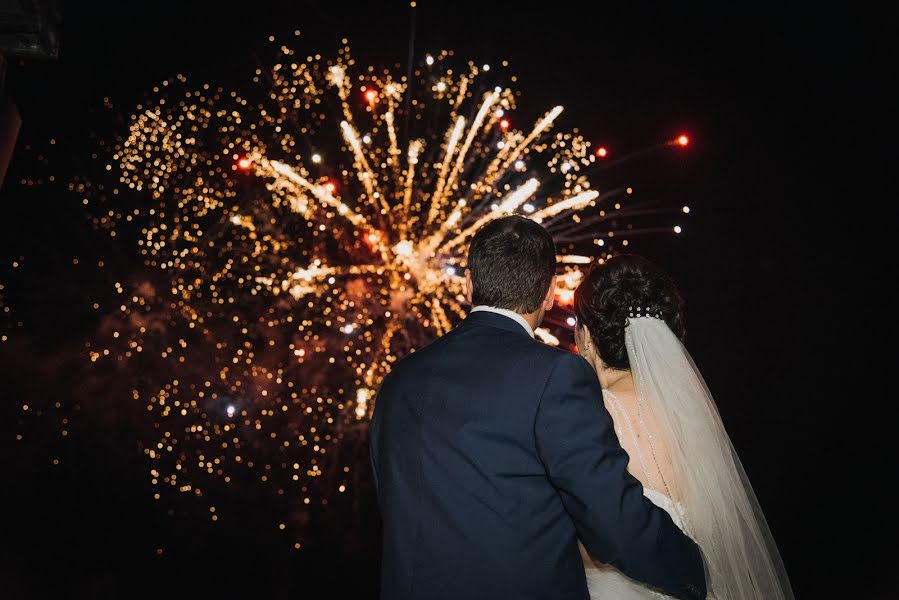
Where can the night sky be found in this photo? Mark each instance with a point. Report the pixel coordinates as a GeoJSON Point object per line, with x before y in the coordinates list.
{"type": "Point", "coordinates": [779, 105]}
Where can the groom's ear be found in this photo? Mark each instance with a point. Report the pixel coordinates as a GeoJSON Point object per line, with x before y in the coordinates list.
{"type": "Point", "coordinates": [550, 295]}
{"type": "Point", "coordinates": [468, 288]}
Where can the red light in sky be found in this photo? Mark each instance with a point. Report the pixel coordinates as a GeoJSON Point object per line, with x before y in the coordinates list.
{"type": "Point", "coordinates": [244, 163]}
{"type": "Point", "coordinates": [504, 123]}
{"type": "Point", "coordinates": [371, 96]}
{"type": "Point", "coordinates": [602, 152]}
{"type": "Point", "coordinates": [330, 187]}
{"type": "Point", "coordinates": [683, 140]}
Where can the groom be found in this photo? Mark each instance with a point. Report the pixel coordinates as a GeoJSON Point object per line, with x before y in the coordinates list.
{"type": "Point", "coordinates": [493, 454]}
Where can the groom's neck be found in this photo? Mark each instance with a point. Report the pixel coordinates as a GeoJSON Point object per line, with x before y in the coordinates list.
{"type": "Point", "coordinates": [533, 319]}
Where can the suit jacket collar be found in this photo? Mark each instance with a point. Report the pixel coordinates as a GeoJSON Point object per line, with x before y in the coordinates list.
{"type": "Point", "coordinates": [491, 319]}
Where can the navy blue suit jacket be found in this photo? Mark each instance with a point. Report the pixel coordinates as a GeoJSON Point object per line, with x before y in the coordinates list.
{"type": "Point", "coordinates": [493, 453]}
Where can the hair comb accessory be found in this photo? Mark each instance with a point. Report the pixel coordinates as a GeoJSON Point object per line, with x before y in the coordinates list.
{"type": "Point", "coordinates": [641, 311]}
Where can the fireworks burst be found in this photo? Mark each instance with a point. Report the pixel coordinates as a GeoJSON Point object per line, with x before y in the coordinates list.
{"type": "Point", "coordinates": [300, 242]}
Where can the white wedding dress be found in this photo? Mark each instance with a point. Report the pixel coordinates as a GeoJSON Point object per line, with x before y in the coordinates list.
{"type": "Point", "coordinates": [685, 448]}
{"type": "Point", "coordinates": [606, 582]}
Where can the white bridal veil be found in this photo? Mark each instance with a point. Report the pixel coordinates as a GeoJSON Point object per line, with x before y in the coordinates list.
{"type": "Point", "coordinates": [721, 510]}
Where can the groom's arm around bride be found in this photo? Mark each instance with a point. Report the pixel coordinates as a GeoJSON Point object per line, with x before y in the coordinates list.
{"type": "Point", "coordinates": [585, 462]}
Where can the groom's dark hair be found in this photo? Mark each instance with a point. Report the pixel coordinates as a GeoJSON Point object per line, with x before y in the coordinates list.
{"type": "Point", "coordinates": [512, 262]}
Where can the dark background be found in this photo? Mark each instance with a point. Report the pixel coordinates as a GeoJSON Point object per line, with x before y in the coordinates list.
{"type": "Point", "coordinates": [781, 104]}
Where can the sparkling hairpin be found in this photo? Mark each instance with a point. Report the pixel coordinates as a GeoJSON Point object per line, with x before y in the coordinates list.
{"type": "Point", "coordinates": [640, 311]}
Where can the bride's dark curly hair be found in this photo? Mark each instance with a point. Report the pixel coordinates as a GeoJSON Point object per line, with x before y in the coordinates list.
{"type": "Point", "coordinates": [603, 300]}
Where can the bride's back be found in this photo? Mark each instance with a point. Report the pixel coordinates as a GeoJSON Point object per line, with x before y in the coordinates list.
{"type": "Point", "coordinates": [641, 436]}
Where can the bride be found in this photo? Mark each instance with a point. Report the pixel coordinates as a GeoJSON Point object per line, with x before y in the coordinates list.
{"type": "Point", "coordinates": [630, 321]}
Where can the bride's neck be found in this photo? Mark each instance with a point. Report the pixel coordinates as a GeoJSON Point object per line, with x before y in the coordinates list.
{"type": "Point", "coordinates": [615, 380]}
